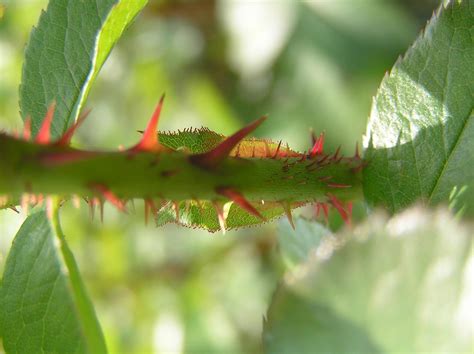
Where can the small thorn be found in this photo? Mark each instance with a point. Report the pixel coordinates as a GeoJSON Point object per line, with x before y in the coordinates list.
{"type": "Point", "coordinates": [356, 154]}
{"type": "Point", "coordinates": [220, 152]}
{"type": "Point", "coordinates": [109, 196]}
{"type": "Point", "coordinates": [67, 136]}
{"type": "Point", "coordinates": [336, 154]}
{"type": "Point", "coordinates": [149, 140]}
{"type": "Point", "coordinates": [176, 210]}
{"type": "Point", "coordinates": [324, 178]}
{"type": "Point", "coordinates": [220, 215]}
{"type": "Point", "coordinates": [287, 208]}
{"type": "Point", "coordinates": [338, 185]}
{"type": "Point", "coordinates": [325, 157]}
{"type": "Point", "coordinates": [149, 206]}
{"type": "Point", "coordinates": [92, 203]}
{"type": "Point", "coordinates": [14, 209]}
{"type": "Point", "coordinates": [275, 155]}
{"type": "Point", "coordinates": [340, 208]}
{"type": "Point", "coordinates": [240, 200]}
{"type": "Point", "coordinates": [267, 149]}
{"type": "Point", "coordinates": [101, 210]}
{"type": "Point", "coordinates": [27, 129]}
{"type": "Point", "coordinates": [318, 146]}
{"type": "Point", "coordinates": [44, 134]}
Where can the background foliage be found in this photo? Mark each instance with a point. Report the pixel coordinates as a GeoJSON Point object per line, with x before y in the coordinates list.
{"type": "Point", "coordinates": [221, 63]}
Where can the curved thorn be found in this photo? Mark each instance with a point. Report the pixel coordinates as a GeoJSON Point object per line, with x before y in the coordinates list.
{"type": "Point", "coordinates": [149, 140]}
{"type": "Point", "coordinates": [109, 196]}
{"type": "Point", "coordinates": [240, 200]}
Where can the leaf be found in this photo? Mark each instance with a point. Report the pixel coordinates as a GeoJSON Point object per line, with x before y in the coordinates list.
{"type": "Point", "coordinates": [392, 285]}
{"type": "Point", "coordinates": [203, 214]}
{"type": "Point", "coordinates": [420, 137]}
{"type": "Point", "coordinates": [295, 245]}
{"type": "Point", "coordinates": [65, 53]}
{"type": "Point", "coordinates": [43, 303]}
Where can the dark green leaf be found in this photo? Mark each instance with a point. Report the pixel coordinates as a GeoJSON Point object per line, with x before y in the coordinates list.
{"type": "Point", "coordinates": [420, 138]}
{"type": "Point", "coordinates": [392, 285]}
{"type": "Point", "coordinates": [43, 303]}
{"type": "Point", "coordinates": [65, 53]}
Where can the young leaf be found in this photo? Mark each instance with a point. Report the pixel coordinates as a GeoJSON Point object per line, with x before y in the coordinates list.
{"type": "Point", "coordinates": [420, 138]}
{"type": "Point", "coordinates": [392, 285]}
{"type": "Point", "coordinates": [65, 53]}
{"type": "Point", "coordinates": [43, 303]}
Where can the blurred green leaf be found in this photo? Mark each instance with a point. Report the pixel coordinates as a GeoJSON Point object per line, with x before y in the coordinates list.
{"type": "Point", "coordinates": [392, 285]}
{"type": "Point", "coordinates": [295, 245]}
{"type": "Point", "coordinates": [43, 303]}
{"type": "Point", "coordinates": [65, 53]}
{"type": "Point", "coordinates": [420, 138]}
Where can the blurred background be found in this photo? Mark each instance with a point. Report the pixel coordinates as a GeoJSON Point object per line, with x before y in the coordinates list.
{"type": "Point", "coordinates": [308, 64]}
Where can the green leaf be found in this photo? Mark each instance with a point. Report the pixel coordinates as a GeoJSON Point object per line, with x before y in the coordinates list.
{"type": "Point", "coordinates": [295, 245]}
{"type": "Point", "coordinates": [392, 285]}
{"type": "Point", "coordinates": [43, 303]}
{"type": "Point", "coordinates": [203, 214]}
{"type": "Point", "coordinates": [65, 53]}
{"type": "Point", "coordinates": [420, 137]}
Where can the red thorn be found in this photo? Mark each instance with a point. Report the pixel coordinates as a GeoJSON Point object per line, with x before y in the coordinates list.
{"type": "Point", "coordinates": [240, 200]}
{"type": "Point", "coordinates": [44, 134]}
{"type": "Point", "coordinates": [220, 152]}
{"type": "Point", "coordinates": [287, 208]}
{"type": "Point", "coordinates": [325, 209]}
{"type": "Point", "coordinates": [27, 129]}
{"type": "Point", "coordinates": [340, 208]}
{"type": "Point", "coordinates": [149, 140]}
{"type": "Point", "coordinates": [109, 196]}
{"type": "Point", "coordinates": [318, 146]}
{"type": "Point", "coordinates": [338, 185]}
{"type": "Point", "coordinates": [67, 136]}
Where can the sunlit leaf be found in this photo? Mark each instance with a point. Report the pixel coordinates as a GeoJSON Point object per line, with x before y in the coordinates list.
{"type": "Point", "coordinates": [43, 303]}
{"type": "Point", "coordinates": [420, 138]}
{"type": "Point", "coordinates": [65, 53]}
